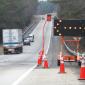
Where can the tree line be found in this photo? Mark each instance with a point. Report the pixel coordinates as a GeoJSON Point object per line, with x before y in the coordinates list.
{"type": "Point", "coordinates": [72, 9]}
{"type": "Point", "coordinates": [16, 13]}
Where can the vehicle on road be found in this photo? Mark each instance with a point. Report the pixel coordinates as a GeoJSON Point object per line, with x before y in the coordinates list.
{"type": "Point", "coordinates": [48, 17]}
{"type": "Point", "coordinates": [12, 41]}
{"type": "Point", "coordinates": [31, 37]}
{"type": "Point", "coordinates": [26, 41]}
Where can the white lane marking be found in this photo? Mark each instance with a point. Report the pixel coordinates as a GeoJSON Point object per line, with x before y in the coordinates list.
{"type": "Point", "coordinates": [29, 70]}
{"type": "Point", "coordinates": [49, 42]}
{"type": "Point", "coordinates": [24, 75]}
{"type": "Point", "coordinates": [34, 31]}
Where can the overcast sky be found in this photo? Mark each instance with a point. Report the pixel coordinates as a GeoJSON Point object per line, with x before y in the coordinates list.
{"type": "Point", "coordinates": [42, 0]}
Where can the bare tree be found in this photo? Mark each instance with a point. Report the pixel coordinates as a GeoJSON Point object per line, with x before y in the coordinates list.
{"type": "Point", "coordinates": [16, 13]}
{"type": "Point", "coordinates": [72, 9]}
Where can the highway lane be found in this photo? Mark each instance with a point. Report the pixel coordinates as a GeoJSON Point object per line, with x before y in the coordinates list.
{"type": "Point", "coordinates": [14, 66]}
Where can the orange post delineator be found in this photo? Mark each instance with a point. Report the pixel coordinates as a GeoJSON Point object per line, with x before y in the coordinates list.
{"type": "Point", "coordinates": [41, 52]}
{"type": "Point", "coordinates": [82, 69]}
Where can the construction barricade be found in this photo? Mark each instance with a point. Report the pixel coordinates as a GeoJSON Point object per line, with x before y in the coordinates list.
{"type": "Point", "coordinates": [69, 58]}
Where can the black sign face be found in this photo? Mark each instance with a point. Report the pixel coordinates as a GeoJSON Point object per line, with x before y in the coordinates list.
{"type": "Point", "coordinates": [69, 27]}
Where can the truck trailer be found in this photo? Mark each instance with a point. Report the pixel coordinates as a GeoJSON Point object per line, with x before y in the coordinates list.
{"type": "Point", "coordinates": [12, 41]}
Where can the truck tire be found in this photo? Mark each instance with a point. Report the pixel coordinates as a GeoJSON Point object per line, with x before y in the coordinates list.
{"type": "Point", "coordinates": [5, 51]}
{"type": "Point", "coordinates": [21, 49]}
{"type": "Point", "coordinates": [58, 62]}
{"type": "Point", "coordinates": [18, 50]}
{"type": "Point", "coordinates": [29, 43]}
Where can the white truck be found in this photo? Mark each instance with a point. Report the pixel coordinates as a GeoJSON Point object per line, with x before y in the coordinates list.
{"type": "Point", "coordinates": [12, 40]}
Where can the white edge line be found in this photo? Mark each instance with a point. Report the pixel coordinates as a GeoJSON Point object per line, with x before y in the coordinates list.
{"type": "Point", "coordinates": [28, 72]}
{"type": "Point", "coordinates": [33, 32]}
{"type": "Point", "coordinates": [24, 75]}
{"type": "Point", "coordinates": [49, 42]}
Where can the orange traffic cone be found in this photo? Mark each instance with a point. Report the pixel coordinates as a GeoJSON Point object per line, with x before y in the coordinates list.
{"type": "Point", "coordinates": [82, 69]}
{"type": "Point", "coordinates": [45, 63]}
{"type": "Point", "coordinates": [39, 62]}
{"type": "Point", "coordinates": [62, 67]}
{"type": "Point", "coordinates": [82, 73]}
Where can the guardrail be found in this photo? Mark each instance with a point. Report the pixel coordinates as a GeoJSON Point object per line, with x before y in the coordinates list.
{"type": "Point", "coordinates": [27, 28]}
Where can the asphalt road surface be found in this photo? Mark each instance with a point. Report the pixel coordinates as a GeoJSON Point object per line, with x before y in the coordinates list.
{"type": "Point", "coordinates": [20, 69]}
{"type": "Point", "coordinates": [12, 67]}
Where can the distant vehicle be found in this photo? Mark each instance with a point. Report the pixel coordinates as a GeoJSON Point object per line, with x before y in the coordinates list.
{"type": "Point", "coordinates": [48, 17]}
{"type": "Point", "coordinates": [26, 41]}
{"type": "Point", "coordinates": [31, 37]}
{"type": "Point", "coordinates": [12, 41]}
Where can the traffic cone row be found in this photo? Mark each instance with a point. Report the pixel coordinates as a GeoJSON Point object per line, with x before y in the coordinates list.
{"type": "Point", "coordinates": [42, 60]}
{"type": "Point", "coordinates": [62, 66]}
{"type": "Point", "coordinates": [82, 68]}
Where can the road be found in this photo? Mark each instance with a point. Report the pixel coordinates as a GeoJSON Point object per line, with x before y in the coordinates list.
{"type": "Point", "coordinates": [12, 67]}
{"type": "Point", "coordinates": [51, 76]}
{"type": "Point", "coordinates": [20, 69]}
